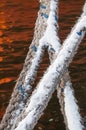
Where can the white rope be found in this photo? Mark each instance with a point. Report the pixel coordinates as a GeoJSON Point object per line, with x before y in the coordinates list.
{"type": "Point", "coordinates": [54, 71]}
{"type": "Point", "coordinates": [22, 90]}
{"type": "Point", "coordinates": [46, 87]}
{"type": "Point", "coordinates": [65, 105]}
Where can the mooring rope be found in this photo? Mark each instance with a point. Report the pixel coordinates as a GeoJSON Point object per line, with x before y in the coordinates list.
{"type": "Point", "coordinates": [23, 87]}
{"type": "Point", "coordinates": [33, 111]}
{"type": "Point", "coordinates": [44, 90]}
{"type": "Point", "coordinates": [63, 86]}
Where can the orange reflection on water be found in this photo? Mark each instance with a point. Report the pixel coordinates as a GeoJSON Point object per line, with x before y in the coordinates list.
{"type": "Point", "coordinates": [2, 21]}
{"type": "Point", "coordinates": [1, 59]}
{"type": "Point", "coordinates": [3, 28]}
{"type": "Point", "coordinates": [1, 49]}
{"type": "Point", "coordinates": [1, 40]}
{"type": "Point", "coordinates": [6, 80]}
{"type": "Point", "coordinates": [5, 39]}
{"type": "Point", "coordinates": [1, 33]}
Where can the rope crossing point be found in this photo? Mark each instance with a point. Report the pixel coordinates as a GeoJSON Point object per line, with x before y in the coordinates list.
{"type": "Point", "coordinates": [26, 107]}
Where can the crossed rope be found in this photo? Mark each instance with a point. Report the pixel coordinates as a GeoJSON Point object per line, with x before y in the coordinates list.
{"type": "Point", "coordinates": [25, 106]}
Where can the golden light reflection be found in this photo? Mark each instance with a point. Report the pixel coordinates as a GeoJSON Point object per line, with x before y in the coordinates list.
{"type": "Point", "coordinates": [1, 33]}
{"type": "Point", "coordinates": [2, 21]}
{"type": "Point", "coordinates": [1, 49]}
{"type": "Point", "coordinates": [1, 12]}
{"type": "Point", "coordinates": [3, 28]}
{"type": "Point", "coordinates": [7, 39]}
{"type": "Point", "coordinates": [6, 80]}
{"type": "Point", "coordinates": [1, 59]}
{"type": "Point", "coordinates": [2, 4]}
{"type": "Point", "coordinates": [1, 40]}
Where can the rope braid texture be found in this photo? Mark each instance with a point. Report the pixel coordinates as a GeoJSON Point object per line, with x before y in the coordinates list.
{"type": "Point", "coordinates": [22, 116]}
{"type": "Point", "coordinates": [10, 120]}
{"type": "Point", "coordinates": [15, 106]}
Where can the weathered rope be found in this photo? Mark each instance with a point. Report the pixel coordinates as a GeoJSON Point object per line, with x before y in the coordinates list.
{"type": "Point", "coordinates": [66, 87]}
{"type": "Point", "coordinates": [23, 87]}
{"type": "Point", "coordinates": [44, 90]}
{"type": "Point", "coordinates": [26, 77]}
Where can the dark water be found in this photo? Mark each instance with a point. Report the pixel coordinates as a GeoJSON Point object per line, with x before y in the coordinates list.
{"type": "Point", "coordinates": [17, 19]}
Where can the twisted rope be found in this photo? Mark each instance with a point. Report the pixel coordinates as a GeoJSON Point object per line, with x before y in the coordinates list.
{"type": "Point", "coordinates": [43, 92]}
{"type": "Point", "coordinates": [27, 77]}
{"type": "Point", "coordinates": [23, 87]}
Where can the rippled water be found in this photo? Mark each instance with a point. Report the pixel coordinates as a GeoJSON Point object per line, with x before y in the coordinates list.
{"type": "Point", "coordinates": [17, 19]}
